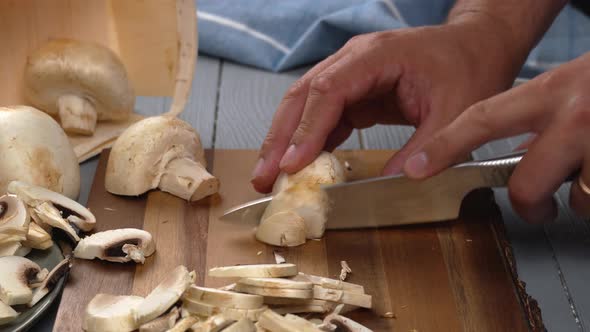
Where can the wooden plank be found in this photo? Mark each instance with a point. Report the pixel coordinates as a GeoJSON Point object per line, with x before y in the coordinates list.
{"type": "Point", "coordinates": [179, 230]}
{"type": "Point", "coordinates": [429, 277]}
{"type": "Point", "coordinates": [200, 108]}
{"type": "Point", "coordinates": [248, 99]}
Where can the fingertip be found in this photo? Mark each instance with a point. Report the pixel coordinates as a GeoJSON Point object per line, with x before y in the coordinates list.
{"type": "Point", "coordinates": [416, 166]}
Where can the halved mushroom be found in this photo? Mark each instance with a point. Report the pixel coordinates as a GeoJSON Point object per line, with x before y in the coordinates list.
{"type": "Point", "coordinates": [117, 245]}
{"type": "Point", "coordinates": [164, 295]}
{"type": "Point", "coordinates": [159, 152]}
{"type": "Point", "coordinates": [71, 211]}
{"type": "Point", "coordinates": [17, 273]}
{"type": "Point", "coordinates": [35, 150]}
{"type": "Point", "coordinates": [37, 237]}
{"type": "Point", "coordinates": [51, 280]}
{"type": "Point", "coordinates": [298, 205]}
{"type": "Point", "coordinates": [14, 219]}
{"type": "Point", "coordinates": [7, 314]}
{"type": "Point", "coordinates": [111, 313]}
{"type": "Point", "coordinates": [162, 323]}
{"type": "Point", "coordinates": [82, 82]}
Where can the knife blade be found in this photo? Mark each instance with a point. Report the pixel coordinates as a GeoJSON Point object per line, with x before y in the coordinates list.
{"type": "Point", "coordinates": [399, 200]}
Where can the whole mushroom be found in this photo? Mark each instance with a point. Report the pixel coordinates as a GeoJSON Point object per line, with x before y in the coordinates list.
{"type": "Point", "coordinates": [36, 150]}
{"type": "Point", "coordinates": [159, 152]}
{"type": "Point", "coordinates": [81, 82]}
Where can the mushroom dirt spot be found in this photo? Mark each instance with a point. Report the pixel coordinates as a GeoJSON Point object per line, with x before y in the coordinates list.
{"type": "Point", "coordinates": [45, 172]}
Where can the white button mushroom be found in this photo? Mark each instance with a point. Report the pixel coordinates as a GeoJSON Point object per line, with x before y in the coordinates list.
{"type": "Point", "coordinates": [36, 150]}
{"type": "Point", "coordinates": [159, 152]}
{"type": "Point", "coordinates": [299, 209]}
{"type": "Point", "coordinates": [81, 82]}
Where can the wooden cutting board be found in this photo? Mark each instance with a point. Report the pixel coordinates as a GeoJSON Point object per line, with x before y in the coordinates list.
{"type": "Point", "coordinates": [452, 276]}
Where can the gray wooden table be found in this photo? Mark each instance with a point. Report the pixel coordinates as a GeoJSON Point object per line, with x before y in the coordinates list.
{"type": "Point", "coordinates": [232, 105]}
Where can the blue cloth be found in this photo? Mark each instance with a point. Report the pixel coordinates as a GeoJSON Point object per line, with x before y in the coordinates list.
{"type": "Point", "coordinates": [282, 34]}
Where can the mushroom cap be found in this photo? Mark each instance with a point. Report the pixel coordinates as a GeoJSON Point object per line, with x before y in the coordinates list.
{"type": "Point", "coordinates": [14, 281]}
{"type": "Point", "coordinates": [325, 169]}
{"type": "Point", "coordinates": [88, 70]}
{"type": "Point", "coordinates": [139, 156]}
{"type": "Point", "coordinates": [36, 150]}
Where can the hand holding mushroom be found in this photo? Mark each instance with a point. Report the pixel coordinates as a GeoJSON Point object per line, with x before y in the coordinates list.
{"type": "Point", "coordinates": [80, 82]}
{"type": "Point", "coordinates": [159, 152]}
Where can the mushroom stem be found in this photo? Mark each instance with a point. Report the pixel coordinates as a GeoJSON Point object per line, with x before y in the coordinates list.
{"type": "Point", "coordinates": [77, 115]}
{"type": "Point", "coordinates": [188, 179]}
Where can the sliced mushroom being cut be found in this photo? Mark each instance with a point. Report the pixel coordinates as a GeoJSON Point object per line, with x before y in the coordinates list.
{"type": "Point", "coordinates": [7, 314]}
{"type": "Point", "coordinates": [82, 82]}
{"type": "Point", "coordinates": [70, 210]}
{"type": "Point", "coordinates": [17, 274]}
{"type": "Point", "coordinates": [164, 295]}
{"type": "Point", "coordinates": [59, 271]}
{"type": "Point", "coordinates": [36, 150]}
{"type": "Point", "coordinates": [117, 245]}
{"type": "Point", "coordinates": [111, 313]}
{"type": "Point", "coordinates": [159, 152]}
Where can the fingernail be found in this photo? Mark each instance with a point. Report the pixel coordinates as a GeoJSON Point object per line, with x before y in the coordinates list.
{"type": "Point", "coordinates": [257, 172]}
{"type": "Point", "coordinates": [289, 157]}
{"type": "Point", "coordinates": [416, 164]}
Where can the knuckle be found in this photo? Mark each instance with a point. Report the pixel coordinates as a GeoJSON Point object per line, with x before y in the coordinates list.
{"type": "Point", "coordinates": [295, 90]}
{"type": "Point", "coordinates": [322, 84]}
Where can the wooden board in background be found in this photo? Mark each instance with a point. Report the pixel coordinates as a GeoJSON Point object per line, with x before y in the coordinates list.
{"type": "Point", "coordinates": [439, 277]}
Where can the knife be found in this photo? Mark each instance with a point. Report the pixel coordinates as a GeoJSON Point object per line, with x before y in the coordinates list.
{"type": "Point", "coordinates": [398, 200]}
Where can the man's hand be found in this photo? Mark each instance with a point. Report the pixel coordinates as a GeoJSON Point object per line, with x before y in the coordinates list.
{"type": "Point", "coordinates": [421, 76]}
{"type": "Point", "coordinates": [555, 107]}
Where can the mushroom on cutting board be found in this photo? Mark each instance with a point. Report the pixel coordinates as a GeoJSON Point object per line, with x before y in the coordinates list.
{"type": "Point", "coordinates": [81, 82]}
{"type": "Point", "coordinates": [159, 152]}
{"type": "Point", "coordinates": [117, 245]}
{"type": "Point", "coordinates": [299, 206]}
{"type": "Point", "coordinates": [36, 150]}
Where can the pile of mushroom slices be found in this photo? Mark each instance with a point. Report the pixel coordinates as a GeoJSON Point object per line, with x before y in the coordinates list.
{"type": "Point", "coordinates": [266, 297]}
{"type": "Point", "coordinates": [299, 209]}
{"type": "Point", "coordinates": [28, 216]}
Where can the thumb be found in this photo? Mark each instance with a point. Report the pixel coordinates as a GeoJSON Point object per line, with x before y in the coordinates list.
{"type": "Point", "coordinates": [422, 134]}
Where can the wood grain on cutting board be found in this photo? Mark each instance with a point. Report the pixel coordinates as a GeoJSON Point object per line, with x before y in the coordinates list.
{"type": "Point", "coordinates": [438, 277]}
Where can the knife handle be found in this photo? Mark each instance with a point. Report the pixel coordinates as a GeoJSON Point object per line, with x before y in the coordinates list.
{"type": "Point", "coordinates": [496, 172]}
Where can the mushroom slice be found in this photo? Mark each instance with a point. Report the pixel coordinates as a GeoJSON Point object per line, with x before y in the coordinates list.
{"type": "Point", "coordinates": [276, 283]}
{"type": "Point", "coordinates": [225, 299]}
{"type": "Point", "coordinates": [117, 245]}
{"type": "Point", "coordinates": [37, 237]}
{"type": "Point", "coordinates": [185, 324]}
{"type": "Point", "coordinates": [159, 152]}
{"type": "Point", "coordinates": [204, 309]}
{"type": "Point", "coordinates": [164, 295]}
{"type": "Point", "coordinates": [36, 150]}
{"type": "Point", "coordinates": [341, 296]}
{"type": "Point", "coordinates": [17, 273]}
{"type": "Point", "coordinates": [111, 313]}
{"type": "Point", "coordinates": [255, 271]}
{"type": "Point", "coordinates": [51, 280]}
{"type": "Point", "coordinates": [52, 217]}
{"type": "Point", "coordinates": [68, 209]}
{"type": "Point", "coordinates": [82, 82]}
{"type": "Point", "coordinates": [214, 324]}
{"type": "Point", "coordinates": [275, 292]}
{"type": "Point", "coordinates": [341, 323]}
{"type": "Point", "coordinates": [162, 323]}
{"type": "Point", "coordinates": [10, 249]}
{"type": "Point", "coordinates": [274, 322]}
{"type": "Point", "coordinates": [294, 306]}
{"type": "Point", "coordinates": [14, 218]}
{"type": "Point", "coordinates": [330, 283]}
{"type": "Point", "coordinates": [242, 325]}
{"type": "Point", "coordinates": [7, 314]}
